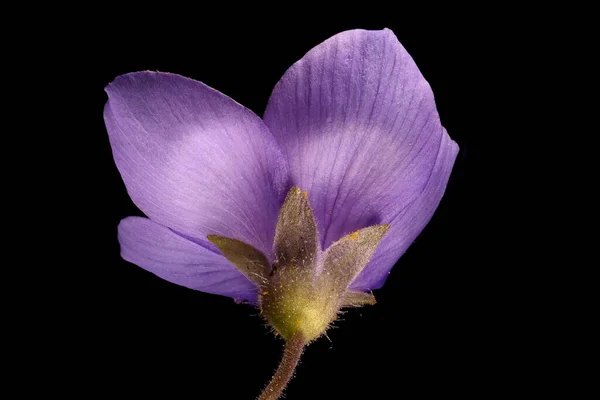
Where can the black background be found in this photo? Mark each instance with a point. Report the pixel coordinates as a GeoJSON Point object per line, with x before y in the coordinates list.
{"type": "Point", "coordinates": [441, 323]}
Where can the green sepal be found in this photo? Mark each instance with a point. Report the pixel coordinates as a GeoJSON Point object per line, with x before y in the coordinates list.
{"type": "Point", "coordinates": [249, 261]}
{"type": "Point", "coordinates": [347, 257]}
{"type": "Point", "coordinates": [357, 299]}
{"type": "Point", "coordinates": [296, 240]}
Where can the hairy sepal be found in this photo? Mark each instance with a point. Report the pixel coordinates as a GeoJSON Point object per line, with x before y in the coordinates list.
{"type": "Point", "coordinates": [305, 288]}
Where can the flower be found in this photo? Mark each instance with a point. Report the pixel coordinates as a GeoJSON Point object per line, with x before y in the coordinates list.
{"type": "Point", "coordinates": [300, 213]}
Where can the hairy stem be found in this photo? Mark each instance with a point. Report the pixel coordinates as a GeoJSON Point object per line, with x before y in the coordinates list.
{"type": "Point", "coordinates": [291, 355]}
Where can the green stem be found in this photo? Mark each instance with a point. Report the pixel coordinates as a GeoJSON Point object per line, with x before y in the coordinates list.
{"type": "Point", "coordinates": [291, 355]}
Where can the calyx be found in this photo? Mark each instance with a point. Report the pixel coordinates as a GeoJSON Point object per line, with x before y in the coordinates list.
{"type": "Point", "coordinates": [305, 287]}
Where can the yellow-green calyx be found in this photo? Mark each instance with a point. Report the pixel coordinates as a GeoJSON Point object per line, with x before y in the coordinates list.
{"type": "Point", "coordinates": [305, 287]}
{"type": "Point", "coordinates": [291, 303]}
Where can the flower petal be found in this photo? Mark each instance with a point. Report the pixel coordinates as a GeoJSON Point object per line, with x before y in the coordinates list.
{"type": "Point", "coordinates": [406, 226]}
{"type": "Point", "coordinates": [195, 160]}
{"type": "Point", "coordinates": [170, 256]}
{"type": "Point", "coordinates": [358, 126]}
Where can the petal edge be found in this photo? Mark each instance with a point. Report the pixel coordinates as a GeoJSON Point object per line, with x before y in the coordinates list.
{"type": "Point", "coordinates": [159, 250]}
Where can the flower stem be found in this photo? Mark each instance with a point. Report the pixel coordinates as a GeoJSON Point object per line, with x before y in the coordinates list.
{"type": "Point", "coordinates": [291, 355]}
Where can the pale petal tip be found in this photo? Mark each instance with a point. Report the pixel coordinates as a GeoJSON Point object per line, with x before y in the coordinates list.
{"type": "Point", "coordinates": [119, 79]}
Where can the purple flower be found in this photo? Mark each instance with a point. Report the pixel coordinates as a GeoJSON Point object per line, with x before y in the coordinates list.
{"type": "Point", "coordinates": [289, 212]}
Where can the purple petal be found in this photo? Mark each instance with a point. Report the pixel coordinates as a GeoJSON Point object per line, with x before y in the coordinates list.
{"type": "Point", "coordinates": [161, 251]}
{"type": "Point", "coordinates": [358, 126]}
{"type": "Point", "coordinates": [406, 226]}
{"type": "Point", "coordinates": [195, 160]}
